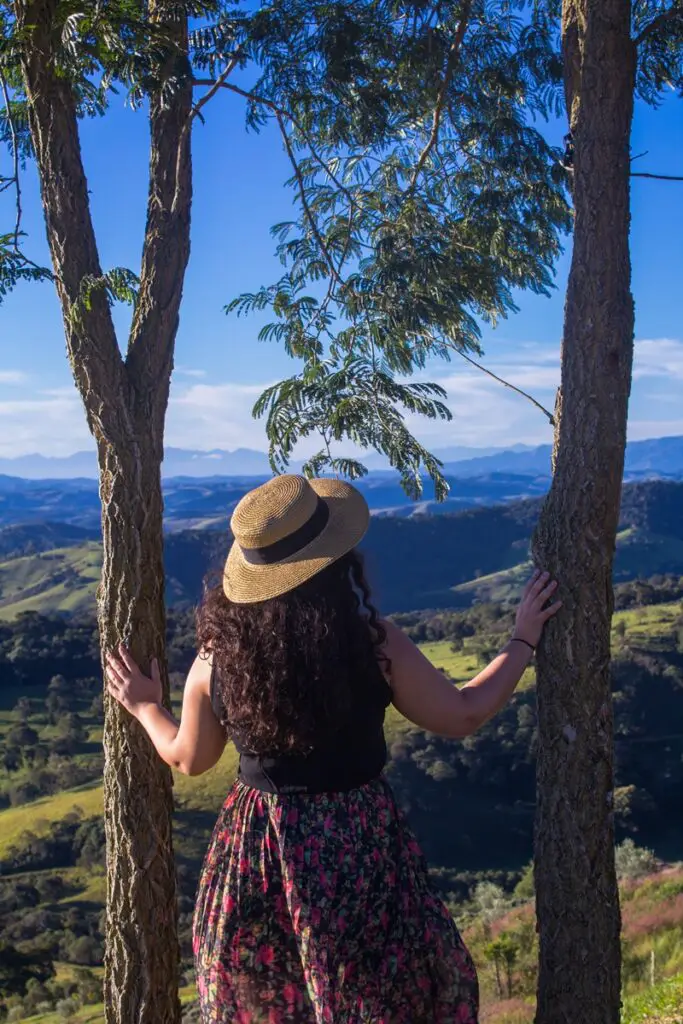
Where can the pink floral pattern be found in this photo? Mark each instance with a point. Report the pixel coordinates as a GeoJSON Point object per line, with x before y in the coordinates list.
{"type": "Point", "coordinates": [318, 910]}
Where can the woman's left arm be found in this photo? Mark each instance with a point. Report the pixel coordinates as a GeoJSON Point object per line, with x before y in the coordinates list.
{"type": "Point", "coordinates": [196, 743]}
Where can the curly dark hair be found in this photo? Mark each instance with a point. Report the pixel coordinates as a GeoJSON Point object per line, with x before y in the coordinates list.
{"type": "Point", "coordinates": [288, 669]}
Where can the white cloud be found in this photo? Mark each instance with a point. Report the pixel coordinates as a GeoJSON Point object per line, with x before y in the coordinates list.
{"type": "Point", "coordinates": [215, 416]}
{"type": "Point", "coordinates": [50, 425]}
{"type": "Point", "coordinates": [183, 371]}
{"type": "Point", "coordinates": [12, 377]}
{"type": "Point", "coordinates": [662, 357]}
{"type": "Point", "coordinates": [69, 391]}
{"type": "Point", "coordinates": [485, 412]}
{"type": "Point", "coordinates": [642, 430]}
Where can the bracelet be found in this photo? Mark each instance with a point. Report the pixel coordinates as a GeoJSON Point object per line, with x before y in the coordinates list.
{"type": "Point", "coordinates": [521, 640]}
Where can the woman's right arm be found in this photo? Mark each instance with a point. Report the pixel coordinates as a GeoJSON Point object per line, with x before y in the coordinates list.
{"type": "Point", "coordinates": [426, 697]}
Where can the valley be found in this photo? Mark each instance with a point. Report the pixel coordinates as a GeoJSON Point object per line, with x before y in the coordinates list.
{"type": "Point", "coordinates": [450, 581]}
{"type": "Point", "coordinates": [471, 802]}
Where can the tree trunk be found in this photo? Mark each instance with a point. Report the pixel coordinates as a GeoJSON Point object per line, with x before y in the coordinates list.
{"type": "Point", "coordinates": [576, 886]}
{"type": "Point", "coordinates": [125, 403]}
{"type": "Point", "coordinates": [141, 960]}
{"type": "Point", "coordinates": [499, 983]}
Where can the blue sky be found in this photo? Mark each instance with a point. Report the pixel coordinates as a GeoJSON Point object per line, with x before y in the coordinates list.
{"type": "Point", "coordinates": [221, 368]}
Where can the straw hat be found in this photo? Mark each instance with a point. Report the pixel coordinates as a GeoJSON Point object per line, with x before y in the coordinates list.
{"type": "Point", "coordinates": [287, 531]}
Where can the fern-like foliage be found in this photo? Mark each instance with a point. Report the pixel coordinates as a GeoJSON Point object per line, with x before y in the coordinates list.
{"type": "Point", "coordinates": [427, 196]}
{"type": "Point", "coordinates": [358, 400]}
{"type": "Point", "coordinates": [658, 30]}
{"type": "Point", "coordinates": [117, 285]}
{"type": "Point", "coordinates": [14, 266]}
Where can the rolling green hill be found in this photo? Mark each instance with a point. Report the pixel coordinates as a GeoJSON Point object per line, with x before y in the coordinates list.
{"type": "Point", "coordinates": [64, 580]}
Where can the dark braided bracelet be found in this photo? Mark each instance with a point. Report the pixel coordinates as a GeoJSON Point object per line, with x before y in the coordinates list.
{"type": "Point", "coordinates": [521, 640]}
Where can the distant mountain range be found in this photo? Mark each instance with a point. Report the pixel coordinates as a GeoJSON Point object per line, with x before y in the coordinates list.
{"type": "Point", "coordinates": [194, 501]}
{"type": "Point", "coordinates": [181, 462]}
{"type": "Point", "coordinates": [208, 504]}
{"type": "Point", "coordinates": [659, 456]}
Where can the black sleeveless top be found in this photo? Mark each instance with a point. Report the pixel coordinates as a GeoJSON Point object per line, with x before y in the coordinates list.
{"type": "Point", "coordinates": [352, 756]}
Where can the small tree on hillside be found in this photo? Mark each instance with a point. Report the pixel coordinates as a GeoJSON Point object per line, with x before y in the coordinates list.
{"type": "Point", "coordinates": [503, 953]}
{"type": "Point", "coordinates": [490, 903]}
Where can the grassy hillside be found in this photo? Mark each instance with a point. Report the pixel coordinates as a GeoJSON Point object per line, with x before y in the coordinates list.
{"type": "Point", "coordinates": [63, 580]}
{"type": "Point", "coordinates": [30, 538]}
{"type": "Point", "coordinates": [658, 1004]}
{"type": "Point", "coordinates": [650, 630]}
{"type": "Point", "coordinates": [652, 914]}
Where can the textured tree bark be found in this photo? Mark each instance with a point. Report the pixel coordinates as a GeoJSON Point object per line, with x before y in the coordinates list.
{"type": "Point", "coordinates": [576, 887]}
{"type": "Point", "coordinates": [125, 403]}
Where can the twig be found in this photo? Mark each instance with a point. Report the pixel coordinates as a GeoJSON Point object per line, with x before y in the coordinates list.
{"type": "Point", "coordinates": [524, 394]}
{"type": "Point", "coordinates": [216, 84]}
{"type": "Point", "coordinates": [15, 154]}
{"type": "Point", "coordinates": [671, 15]}
{"type": "Point", "coordinates": [196, 112]}
{"type": "Point", "coordinates": [441, 98]}
{"type": "Point", "coordinates": [658, 177]}
{"type": "Point", "coordinates": [304, 201]}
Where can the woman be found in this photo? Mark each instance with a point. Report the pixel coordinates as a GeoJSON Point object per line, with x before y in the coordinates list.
{"type": "Point", "coordinates": [314, 902]}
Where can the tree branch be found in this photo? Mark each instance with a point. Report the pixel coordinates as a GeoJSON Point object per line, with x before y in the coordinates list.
{"type": "Point", "coordinates": [304, 202]}
{"type": "Point", "coordinates": [14, 180]}
{"type": "Point", "coordinates": [674, 14]}
{"type": "Point", "coordinates": [53, 120]}
{"type": "Point", "coordinates": [441, 98]}
{"type": "Point", "coordinates": [658, 177]}
{"type": "Point", "coordinates": [166, 249]}
{"type": "Point", "coordinates": [216, 84]}
{"type": "Point", "coordinates": [505, 383]}
{"type": "Point", "coordinates": [285, 114]}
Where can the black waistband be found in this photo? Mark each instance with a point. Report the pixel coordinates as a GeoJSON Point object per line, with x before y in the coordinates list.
{"type": "Point", "coordinates": [304, 775]}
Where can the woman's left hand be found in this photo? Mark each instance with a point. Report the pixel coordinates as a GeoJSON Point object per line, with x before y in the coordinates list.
{"type": "Point", "coordinates": [129, 685]}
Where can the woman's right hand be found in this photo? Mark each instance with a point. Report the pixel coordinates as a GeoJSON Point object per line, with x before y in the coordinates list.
{"type": "Point", "coordinates": [532, 613]}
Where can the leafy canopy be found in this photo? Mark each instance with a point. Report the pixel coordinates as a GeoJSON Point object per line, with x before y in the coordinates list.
{"type": "Point", "coordinates": [426, 194]}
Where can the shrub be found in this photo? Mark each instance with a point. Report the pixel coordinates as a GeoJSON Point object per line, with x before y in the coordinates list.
{"type": "Point", "coordinates": [23, 793]}
{"type": "Point", "coordinates": [66, 1008]}
{"type": "Point", "coordinates": [524, 890]}
{"type": "Point", "coordinates": [11, 759]}
{"type": "Point", "coordinates": [633, 861]}
{"type": "Point", "coordinates": [665, 916]}
{"type": "Point", "coordinates": [89, 987]}
{"type": "Point", "coordinates": [21, 736]}
{"type": "Point", "coordinates": [440, 770]}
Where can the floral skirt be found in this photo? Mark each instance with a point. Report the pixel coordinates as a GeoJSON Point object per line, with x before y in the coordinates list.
{"type": "Point", "coordinates": [318, 908]}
